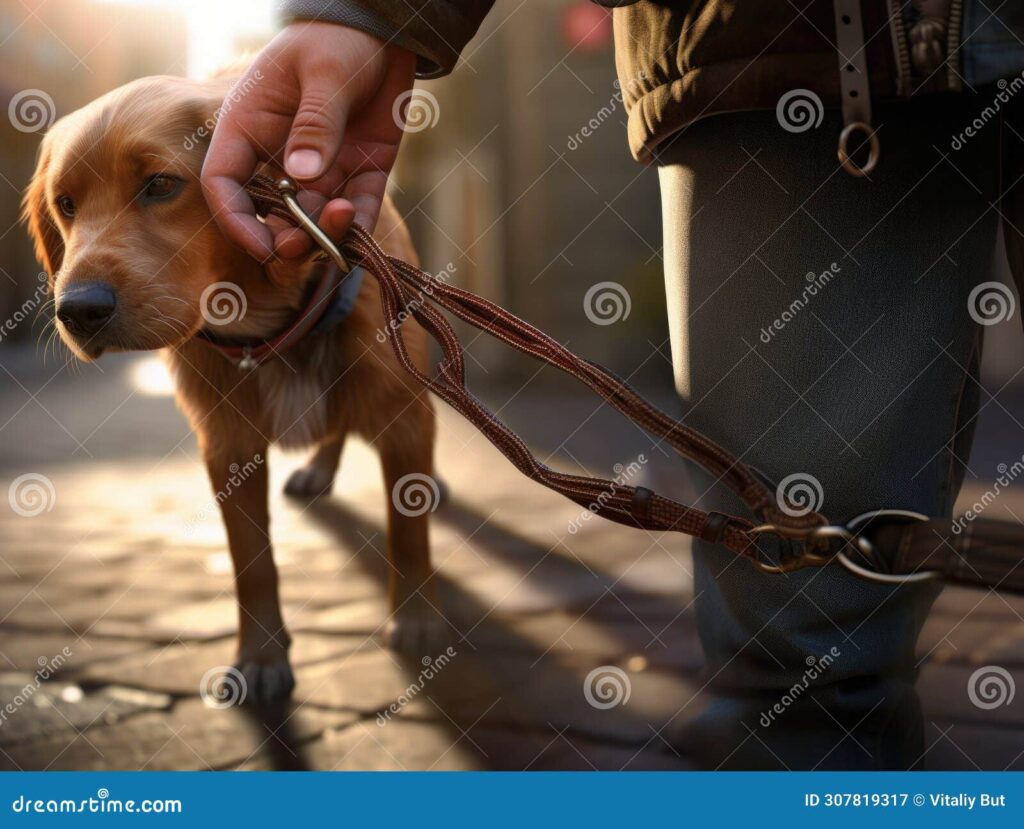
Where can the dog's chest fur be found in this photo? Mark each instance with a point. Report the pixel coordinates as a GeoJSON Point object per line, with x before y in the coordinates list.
{"type": "Point", "coordinates": [296, 394]}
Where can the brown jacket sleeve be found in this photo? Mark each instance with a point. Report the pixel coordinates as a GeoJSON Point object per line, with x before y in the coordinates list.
{"type": "Point", "coordinates": [435, 30]}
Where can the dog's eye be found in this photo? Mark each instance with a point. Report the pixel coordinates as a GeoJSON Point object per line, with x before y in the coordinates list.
{"type": "Point", "coordinates": [66, 205]}
{"type": "Point", "coordinates": [161, 187]}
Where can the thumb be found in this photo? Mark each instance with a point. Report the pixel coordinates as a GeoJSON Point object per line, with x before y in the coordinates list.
{"type": "Point", "coordinates": [317, 130]}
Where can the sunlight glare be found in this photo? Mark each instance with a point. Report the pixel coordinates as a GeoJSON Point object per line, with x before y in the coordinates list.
{"type": "Point", "coordinates": [150, 377]}
{"type": "Point", "coordinates": [217, 27]}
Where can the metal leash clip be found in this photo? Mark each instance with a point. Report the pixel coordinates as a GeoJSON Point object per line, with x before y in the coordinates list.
{"type": "Point", "coordinates": [819, 548]}
{"type": "Point", "coordinates": [286, 187]}
{"type": "Point", "coordinates": [815, 546]}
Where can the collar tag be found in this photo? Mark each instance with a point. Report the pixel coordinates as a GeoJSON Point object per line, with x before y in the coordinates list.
{"type": "Point", "coordinates": [247, 363]}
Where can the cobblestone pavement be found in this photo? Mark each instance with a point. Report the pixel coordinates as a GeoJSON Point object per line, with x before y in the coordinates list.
{"type": "Point", "coordinates": [119, 595]}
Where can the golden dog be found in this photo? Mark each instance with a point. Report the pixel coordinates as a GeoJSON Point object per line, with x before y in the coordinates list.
{"type": "Point", "coordinates": [121, 226]}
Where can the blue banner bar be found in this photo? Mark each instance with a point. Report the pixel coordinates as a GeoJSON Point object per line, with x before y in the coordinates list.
{"type": "Point", "coordinates": [496, 799]}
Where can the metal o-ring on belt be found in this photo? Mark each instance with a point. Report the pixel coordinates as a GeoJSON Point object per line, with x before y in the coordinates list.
{"type": "Point", "coordinates": [855, 88]}
{"type": "Point", "coordinates": [844, 153]}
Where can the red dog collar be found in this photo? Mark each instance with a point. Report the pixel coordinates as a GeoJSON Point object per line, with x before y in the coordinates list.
{"type": "Point", "coordinates": [248, 355]}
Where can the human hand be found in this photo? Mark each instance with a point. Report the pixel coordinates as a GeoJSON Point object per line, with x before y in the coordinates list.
{"type": "Point", "coordinates": [324, 106]}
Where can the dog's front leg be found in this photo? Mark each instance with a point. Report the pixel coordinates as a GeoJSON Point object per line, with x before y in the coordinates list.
{"type": "Point", "coordinates": [239, 479]}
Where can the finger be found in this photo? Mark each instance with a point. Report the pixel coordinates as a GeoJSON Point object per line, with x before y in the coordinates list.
{"type": "Point", "coordinates": [230, 161]}
{"type": "Point", "coordinates": [337, 217]}
{"type": "Point", "coordinates": [366, 192]}
{"type": "Point", "coordinates": [317, 128]}
{"type": "Point", "coordinates": [292, 243]}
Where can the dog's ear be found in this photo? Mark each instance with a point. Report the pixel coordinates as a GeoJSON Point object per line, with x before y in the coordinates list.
{"type": "Point", "coordinates": [35, 212]}
{"type": "Point", "coordinates": [196, 115]}
{"type": "Point", "coordinates": [195, 107]}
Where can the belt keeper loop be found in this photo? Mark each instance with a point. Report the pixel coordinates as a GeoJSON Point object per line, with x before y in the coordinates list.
{"type": "Point", "coordinates": [640, 507]}
{"type": "Point", "coordinates": [714, 527]}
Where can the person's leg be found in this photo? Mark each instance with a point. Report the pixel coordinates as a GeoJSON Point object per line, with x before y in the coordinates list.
{"type": "Point", "coordinates": [862, 381]}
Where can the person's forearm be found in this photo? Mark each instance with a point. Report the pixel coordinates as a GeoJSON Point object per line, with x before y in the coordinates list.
{"type": "Point", "coordinates": [435, 30]}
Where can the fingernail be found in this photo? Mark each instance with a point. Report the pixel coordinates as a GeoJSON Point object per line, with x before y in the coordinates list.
{"type": "Point", "coordinates": [303, 163]}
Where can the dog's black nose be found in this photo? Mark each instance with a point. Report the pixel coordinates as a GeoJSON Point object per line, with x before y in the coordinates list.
{"type": "Point", "coordinates": [85, 309]}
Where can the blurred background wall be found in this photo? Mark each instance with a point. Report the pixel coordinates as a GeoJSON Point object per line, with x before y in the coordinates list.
{"type": "Point", "coordinates": [518, 181]}
{"type": "Point", "coordinates": [520, 184]}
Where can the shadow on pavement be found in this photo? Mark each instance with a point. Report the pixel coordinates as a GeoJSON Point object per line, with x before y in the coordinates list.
{"type": "Point", "coordinates": [502, 682]}
{"type": "Point", "coordinates": [272, 726]}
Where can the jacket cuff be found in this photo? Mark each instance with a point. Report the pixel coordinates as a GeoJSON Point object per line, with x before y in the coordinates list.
{"type": "Point", "coordinates": [394, 23]}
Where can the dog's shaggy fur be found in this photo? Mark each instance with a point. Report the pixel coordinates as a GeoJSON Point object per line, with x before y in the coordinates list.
{"type": "Point", "coordinates": [158, 257]}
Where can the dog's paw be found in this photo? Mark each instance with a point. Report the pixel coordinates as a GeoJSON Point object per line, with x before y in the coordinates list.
{"type": "Point", "coordinates": [265, 682]}
{"type": "Point", "coordinates": [418, 634]}
{"type": "Point", "coordinates": [309, 482]}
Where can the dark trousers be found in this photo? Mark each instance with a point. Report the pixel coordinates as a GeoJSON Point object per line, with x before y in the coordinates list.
{"type": "Point", "coordinates": [866, 387]}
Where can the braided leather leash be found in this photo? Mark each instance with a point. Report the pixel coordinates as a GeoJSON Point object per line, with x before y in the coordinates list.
{"type": "Point", "coordinates": [888, 545]}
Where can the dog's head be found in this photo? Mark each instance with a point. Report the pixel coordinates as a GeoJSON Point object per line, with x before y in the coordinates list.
{"type": "Point", "coordinates": [119, 220]}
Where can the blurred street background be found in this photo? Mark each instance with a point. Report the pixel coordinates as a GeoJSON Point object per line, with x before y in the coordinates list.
{"type": "Point", "coordinates": [119, 586]}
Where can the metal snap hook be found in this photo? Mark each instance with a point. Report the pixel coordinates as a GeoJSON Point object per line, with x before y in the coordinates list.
{"type": "Point", "coordinates": [286, 187]}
